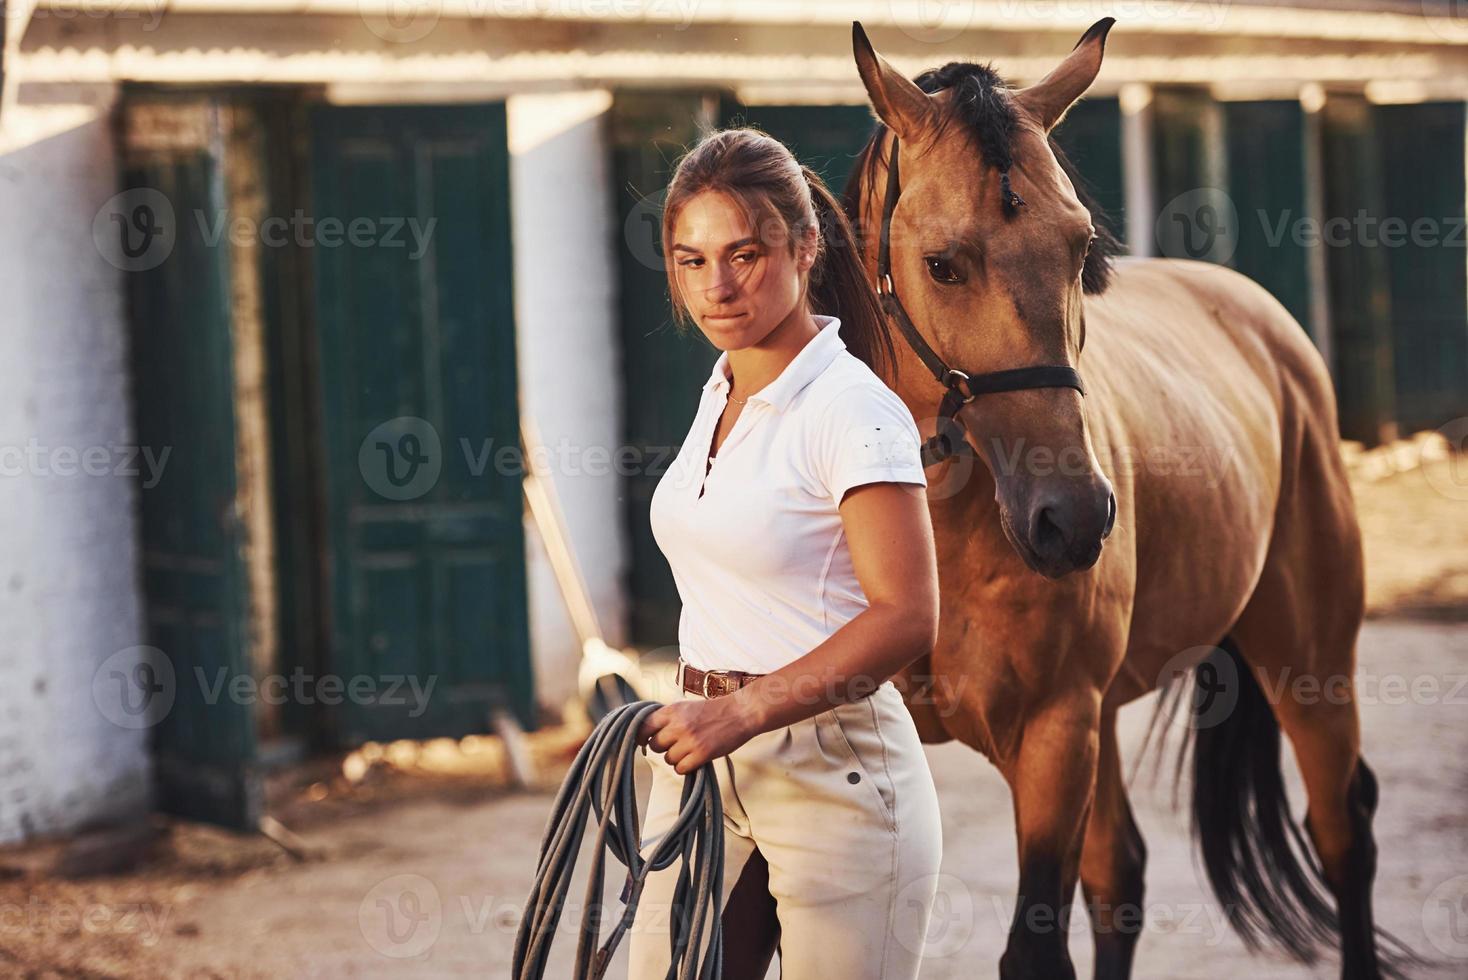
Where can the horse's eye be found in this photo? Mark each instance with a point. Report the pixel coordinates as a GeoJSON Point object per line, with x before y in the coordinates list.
{"type": "Point", "coordinates": [941, 269]}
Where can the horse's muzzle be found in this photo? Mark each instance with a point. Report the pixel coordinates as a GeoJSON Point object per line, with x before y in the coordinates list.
{"type": "Point", "coordinates": [1067, 525]}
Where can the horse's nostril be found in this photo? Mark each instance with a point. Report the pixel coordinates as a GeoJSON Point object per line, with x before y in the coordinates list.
{"type": "Point", "coordinates": [1047, 536]}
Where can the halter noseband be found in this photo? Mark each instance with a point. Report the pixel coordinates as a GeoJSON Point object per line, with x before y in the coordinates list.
{"type": "Point", "coordinates": [961, 388]}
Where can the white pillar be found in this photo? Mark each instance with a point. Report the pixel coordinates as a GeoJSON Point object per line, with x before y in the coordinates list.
{"type": "Point", "coordinates": [1312, 100]}
{"type": "Point", "coordinates": [1139, 190]}
{"type": "Point", "coordinates": [569, 359]}
{"type": "Point", "coordinates": [70, 594]}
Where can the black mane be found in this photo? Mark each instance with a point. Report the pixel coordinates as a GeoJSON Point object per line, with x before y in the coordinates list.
{"type": "Point", "coordinates": [982, 105]}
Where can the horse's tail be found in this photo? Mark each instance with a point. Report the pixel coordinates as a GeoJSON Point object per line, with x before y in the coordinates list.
{"type": "Point", "coordinates": [1258, 862]}
{"type": "Point", "coordinates": [1255, 854]}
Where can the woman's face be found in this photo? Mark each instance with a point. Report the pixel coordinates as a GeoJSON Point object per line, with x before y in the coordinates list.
{"type": "Point", "coordinates": [738, 285]}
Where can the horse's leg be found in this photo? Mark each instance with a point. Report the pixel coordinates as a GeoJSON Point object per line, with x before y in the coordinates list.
{"type": "Point", "coordinates": [1113, 862]}
{"type": "Point", "coordinates": [1302, 622]}
{"type": "Point", "coordinates": [1342, 794]}
{"type": "Point", "coordinates": [1052, 777]}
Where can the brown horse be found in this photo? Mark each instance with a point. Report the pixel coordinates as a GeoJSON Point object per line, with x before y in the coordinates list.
{"type": "Point", "coordinates": [1235, 548]}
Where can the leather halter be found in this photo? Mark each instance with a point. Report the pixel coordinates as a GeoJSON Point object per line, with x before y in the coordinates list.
{"type": "Point", "coordinates": [961, 388]}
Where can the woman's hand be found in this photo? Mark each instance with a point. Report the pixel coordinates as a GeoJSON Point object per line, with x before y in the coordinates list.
{"type": "Point", "coordinates": [690, 733]}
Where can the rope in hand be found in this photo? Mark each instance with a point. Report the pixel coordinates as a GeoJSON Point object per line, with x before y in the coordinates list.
{"type": "Point", "coordinates": [602, 778]}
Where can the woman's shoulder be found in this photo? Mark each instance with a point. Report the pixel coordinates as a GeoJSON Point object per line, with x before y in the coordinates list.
{"type": "Point", "coordinates": [848, 383]}
{"type": "Point", "coordinates": [858, 430]}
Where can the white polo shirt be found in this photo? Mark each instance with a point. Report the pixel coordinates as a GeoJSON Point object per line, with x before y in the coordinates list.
{"type": "Point", "coordinates": [760, 558]}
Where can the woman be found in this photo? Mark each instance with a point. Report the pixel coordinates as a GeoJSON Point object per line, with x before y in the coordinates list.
{"type": "Point", "coordinates": [795, 521]}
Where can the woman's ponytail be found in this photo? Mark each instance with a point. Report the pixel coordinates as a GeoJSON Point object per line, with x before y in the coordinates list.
{"type": "Point", "coordinates": [839, 286]}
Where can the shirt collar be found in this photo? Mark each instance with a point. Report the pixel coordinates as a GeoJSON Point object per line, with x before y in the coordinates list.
{"type": "Point", "coordinates": [805, 367]}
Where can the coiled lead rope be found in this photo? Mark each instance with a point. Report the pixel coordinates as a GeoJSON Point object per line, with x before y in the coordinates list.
{"type": "Point", "coordinates": [602, 778]}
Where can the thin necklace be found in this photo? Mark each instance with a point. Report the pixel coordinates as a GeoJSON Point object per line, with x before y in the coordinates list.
{"type": "Point", "coordinates": [737, 401]}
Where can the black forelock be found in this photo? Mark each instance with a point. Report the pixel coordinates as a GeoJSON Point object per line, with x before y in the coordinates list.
{"type": "Point", "coordinates": [981, 103]}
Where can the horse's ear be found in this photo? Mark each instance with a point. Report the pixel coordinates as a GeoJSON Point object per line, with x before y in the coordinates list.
{"type": "Point", "coordinates": [906, 109]}
{"type": "Point", "coordinates": [1049, 98]}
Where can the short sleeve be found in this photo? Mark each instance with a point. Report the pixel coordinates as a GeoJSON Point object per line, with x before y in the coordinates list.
{"type": "Point", "coordinates": [866, 434]}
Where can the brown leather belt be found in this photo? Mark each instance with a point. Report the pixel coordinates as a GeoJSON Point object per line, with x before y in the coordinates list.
{"type": "Point", "coordinates": [712, 683]}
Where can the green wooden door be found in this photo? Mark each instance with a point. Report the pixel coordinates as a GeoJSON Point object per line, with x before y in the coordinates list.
{"type": "Point", "coordinates": [1266, 180]}
{"type": "Point", "coordinates": [182, 358]}
{"type": "Point", "coordinates": [1090, 135]}
{"type": "Point", "coordinates": [663, 367]}
{"type": "Point", "coordinates": [1423, 193]}
{"type": "Point", "coordinates": [826, 138]}
{"type": "Point", "coordinates": [1196, 218]}
{"type": "Point", "coordinates": [1358, 277]}
{"type": "Point", "coordinates": [419, 396]}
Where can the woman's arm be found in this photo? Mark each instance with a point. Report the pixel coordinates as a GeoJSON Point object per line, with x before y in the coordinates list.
{"type": "Point", "coordinates": [890, 537]}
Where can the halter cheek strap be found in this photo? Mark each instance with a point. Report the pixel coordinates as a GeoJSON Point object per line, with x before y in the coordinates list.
{"type": "Point", "coordinates": [962, 388]}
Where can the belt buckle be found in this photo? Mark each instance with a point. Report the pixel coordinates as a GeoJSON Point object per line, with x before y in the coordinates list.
{"type": "Point", "coordinates": [706, 675]}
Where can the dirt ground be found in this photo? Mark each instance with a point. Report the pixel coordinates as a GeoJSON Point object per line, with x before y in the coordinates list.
{"type": "Point", "coordinates": [419, 857]}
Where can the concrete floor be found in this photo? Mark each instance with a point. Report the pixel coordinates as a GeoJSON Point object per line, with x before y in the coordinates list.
{"type": "Point", "coordinates": [431, 888]}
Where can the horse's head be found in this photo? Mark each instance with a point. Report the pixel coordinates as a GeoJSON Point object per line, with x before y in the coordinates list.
{"type": "Point", "coordinates": [992, 249]}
